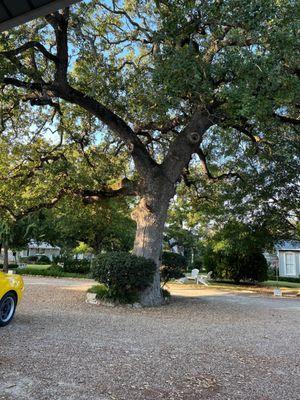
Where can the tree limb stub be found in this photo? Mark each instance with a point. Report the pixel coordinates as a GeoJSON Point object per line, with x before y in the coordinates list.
{"type": "Point", "coordinates": [120, 189]}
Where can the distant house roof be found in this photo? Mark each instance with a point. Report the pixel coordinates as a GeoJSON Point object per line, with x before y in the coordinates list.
{"type": "Point", "coordinates": [42, 245]}
{"type": "Point", "coordinates": [17, 12]}
{"type": "Point", "coordinates": [288, 245]}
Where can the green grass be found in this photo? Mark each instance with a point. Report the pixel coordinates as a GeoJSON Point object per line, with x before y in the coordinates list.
{"type": "Point", "coordinates": [280, 284]}
{"type": "Point", "coordinates": [100, 290]}
{"type": "Point", "coordinates": [37, 266]}
{"type": "Point", "coordinates": [268, 283]}
{"type": "Point", "coordinates": [242, 285]}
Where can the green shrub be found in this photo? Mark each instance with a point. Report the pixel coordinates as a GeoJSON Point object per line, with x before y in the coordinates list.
{"type": "Point", "coordinates": [235, 252]}
{"type": "Point", "coordinates": [76, 266]}
{"type": "Point", "coordinates": [198, 263]}
{"type": "Point", "coordinates": [124, 274]}
{"type": "Point", "coordinates": [44, 259]}
{"type": "Point", "coordinates": [173, 266]}
{"type": "Point", "coordinates": [10, 266]}
{"type": "Point", "coordinates": [57, 259]}
{"type": "Point", "coordinates": [101, 291]}
{"type": "Point", "coordinates": [271, 272]}
{"type": "Point", "coordinates": [29, 259]}
{"type": "Point", "coordinates": [174, 259]}
{"type": "Point", "coordinates": [56, 272]}
{"type": "Point", "coordinates": [246, 266]}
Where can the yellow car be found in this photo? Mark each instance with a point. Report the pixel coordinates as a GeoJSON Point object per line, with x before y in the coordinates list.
{"type": "Point", "coordinates": [11, 291]}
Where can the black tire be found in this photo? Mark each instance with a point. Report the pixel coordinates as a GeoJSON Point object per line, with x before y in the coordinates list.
{"type": "Point", "coordinates": [8, 305]}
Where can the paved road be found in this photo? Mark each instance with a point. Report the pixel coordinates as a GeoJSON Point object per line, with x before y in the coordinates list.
{"type": "Point", "coordinates": [215, 346]}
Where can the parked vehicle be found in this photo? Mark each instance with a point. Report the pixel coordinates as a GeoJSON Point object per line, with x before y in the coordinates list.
{"type": "Point", "coordinates": [11, 291]}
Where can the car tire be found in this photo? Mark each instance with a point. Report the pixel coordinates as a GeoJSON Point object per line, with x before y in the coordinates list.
{"type": "Point", "coordinates": [8, 305]}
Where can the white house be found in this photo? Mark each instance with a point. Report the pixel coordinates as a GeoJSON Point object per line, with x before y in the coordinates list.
{"type": "Point", "coordinates": [288, 253]}
{"type": "Point", "coordinates": [38, 249]}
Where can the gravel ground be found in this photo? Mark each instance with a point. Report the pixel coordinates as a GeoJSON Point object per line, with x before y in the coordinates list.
{"type": "Point", "coordinates": [224, 346]}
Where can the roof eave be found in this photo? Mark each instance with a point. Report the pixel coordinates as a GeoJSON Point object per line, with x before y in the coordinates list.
{"type": "Point", "coordinates": [297, 249]}
{"type": "Point", "coordinates": [36, 13]}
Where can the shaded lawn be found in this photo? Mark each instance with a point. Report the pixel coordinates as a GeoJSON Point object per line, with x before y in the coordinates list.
{"type": "Point", "coordinates": [266, 287]}
{"type": "Point", "coordinates": [38, 266]}
{"type": "Point", "coordinates": [270, 283]}
{"type": "Point", "coordinates": [282, 284]}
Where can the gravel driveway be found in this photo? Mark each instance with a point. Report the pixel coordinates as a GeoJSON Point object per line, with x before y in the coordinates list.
{"type": "Point", "coordinates": [210, 347]}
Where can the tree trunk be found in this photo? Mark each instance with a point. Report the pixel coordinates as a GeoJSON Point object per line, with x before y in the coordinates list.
{"type": "Point", "coordinates": [5, 257]}
{"type": "Point", "coordinates": [150, 216]}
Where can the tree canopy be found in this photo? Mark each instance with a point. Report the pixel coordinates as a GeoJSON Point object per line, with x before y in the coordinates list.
{"type": "Point", "coordinates": [200, 92]}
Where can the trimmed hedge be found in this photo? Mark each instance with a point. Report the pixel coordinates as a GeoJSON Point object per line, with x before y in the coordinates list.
{"type": "Point", "coordinates": [55, 272]}
{"type": "Point", "coordinates": [124, 274]}
{"type": "Point", "coordinates": [44, 260]}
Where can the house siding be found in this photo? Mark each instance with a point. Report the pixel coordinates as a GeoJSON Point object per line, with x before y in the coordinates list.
{"type": "Point", "coordinates": [281, 264]}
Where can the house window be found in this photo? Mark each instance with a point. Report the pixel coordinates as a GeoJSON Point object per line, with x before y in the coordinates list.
{"type": "Point", "coordinates": [290, 264]}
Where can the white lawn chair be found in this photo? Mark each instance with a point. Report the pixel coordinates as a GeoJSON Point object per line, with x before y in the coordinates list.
{"type": "Point", "coordinates": [204, 279]}
{"type": "Point", "coordinates": [194, 275]}
{"type": "Point", "coordinates": [182, 280]}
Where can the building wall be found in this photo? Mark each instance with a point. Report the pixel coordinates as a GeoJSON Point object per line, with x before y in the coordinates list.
{"type": "Point", "coordinates": [282, 270]}
{"type": "Point", "coordinates": [11, 257]}
{"type": "Point", "coordinates": [49, 252]}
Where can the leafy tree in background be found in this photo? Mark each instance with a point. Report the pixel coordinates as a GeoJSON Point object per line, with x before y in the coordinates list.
{"type": "Point", "coordinates": [104, 226]}
{"type": "Point", "coordinates": [173, 266]}
{"type": "Point", "coordinates": [236, 252]}
{"type": "Point", "coordinates": [14, 235]}
{"type": "Point", "coordinates": [175, 85]}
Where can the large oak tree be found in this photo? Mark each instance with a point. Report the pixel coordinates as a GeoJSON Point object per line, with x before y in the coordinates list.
{"type": "Point", "coordinates": [162, 77]}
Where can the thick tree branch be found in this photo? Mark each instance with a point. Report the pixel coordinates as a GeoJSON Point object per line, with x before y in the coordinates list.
{"type": "Point", "coordinates": [119, 11]}
{"type": "Point", "coordinates": [29, 172]}
{"type": "Point", "coordinates": [185, 144]}
{"type": "Point", "coordinates": [124, 188]}
{"type": "Point", "coordinates": [27, 46]}
{"type": "Point", "coordinates": [139, 152]}
{"type": "Point", "coordinates": [287, 119]}
{"type": "Point", "coordinates": [22, 84]}
{"type": "Point", "coordinates": [41, 94]}
{"type": "Point", "coordinates": [16, 216]}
